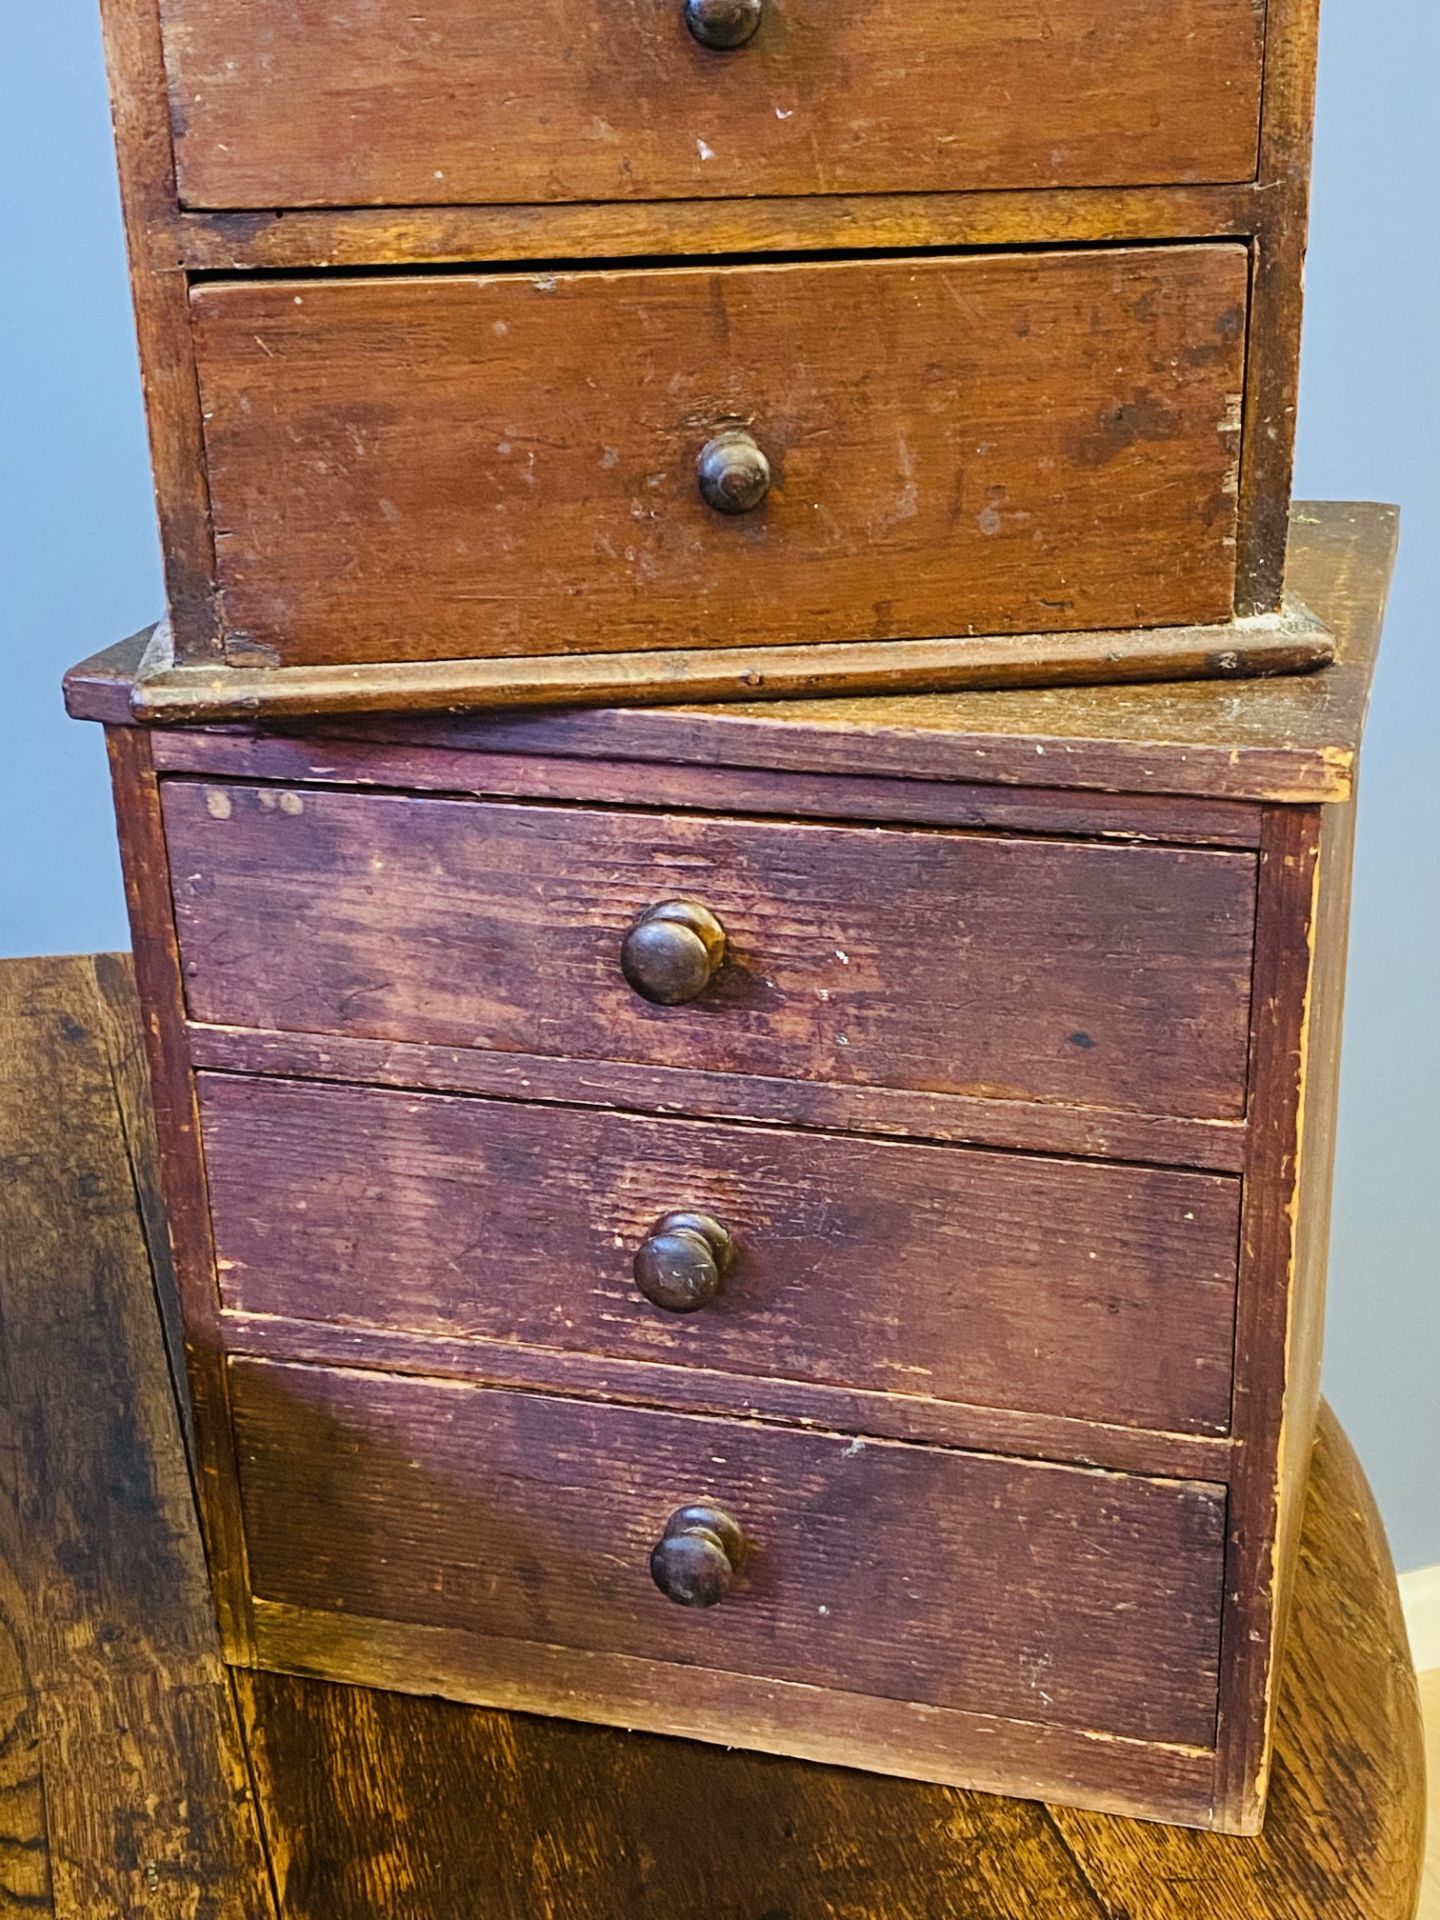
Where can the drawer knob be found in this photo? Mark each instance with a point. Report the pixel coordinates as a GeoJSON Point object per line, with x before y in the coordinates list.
{"type": "Point", "coordinates": [723, 23]}
{"type": "Point", "coordinates": [695, 1558]}
{"type": "Point", "coordinates": [734, 474]}
{"type": "Point", "coordinates": [681, 1265]}
{"type": "Point", "coordinates": [673, 952]}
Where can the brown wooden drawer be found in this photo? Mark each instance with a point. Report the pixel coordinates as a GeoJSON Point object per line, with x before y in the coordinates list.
{"type": "Point", "coordinates": [1003, 1587]}
{"type": "Point", "coordinates": [1095, 1292]}
{"type": "Point", "coordinates": [1014, 968]}
{"type": "Point", "coordinates": [293, 102]}
{"type": "Point", "coordinates": [470, 465]}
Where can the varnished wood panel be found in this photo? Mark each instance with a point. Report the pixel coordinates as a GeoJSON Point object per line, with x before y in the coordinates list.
{"type": "Point", "coordinates": [1092, 1292]}
{"type": "Point", "coordinates": [296, 103]}
{"type": "Point", "coordinates": [1025, 968]}
{"type": "Point", "coordinates": [870, 1567]}
{"type": "Point", "coordinates": [488, 465]}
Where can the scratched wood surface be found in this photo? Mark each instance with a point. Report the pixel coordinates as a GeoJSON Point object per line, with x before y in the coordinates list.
{"type": "Point", "coordinates": [1094, 1292]}
{"type": "Point", "coordinates": [1103, 976]}
{"type": "Point", "coordinates": [869, 1566]}
{"type": "Point", "coordinates": [367, 1802]}
{"type": "Point", "coordinates": [285, 104]}
{"type": "Point", "coordinates": [505, 465]}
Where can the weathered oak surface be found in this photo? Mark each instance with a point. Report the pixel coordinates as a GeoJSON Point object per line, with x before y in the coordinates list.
{"type": "Point", "coordinates": [374, 1803]}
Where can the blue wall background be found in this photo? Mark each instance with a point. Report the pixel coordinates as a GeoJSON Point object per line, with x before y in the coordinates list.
{"type": "Point", "coordinates": [79, 568]}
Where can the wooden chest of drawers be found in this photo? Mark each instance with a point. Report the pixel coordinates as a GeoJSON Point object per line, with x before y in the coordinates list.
{"type": "Point", "coordinates": [702, 347]}
{"type": "Point", "coordinates": [858, 1169]}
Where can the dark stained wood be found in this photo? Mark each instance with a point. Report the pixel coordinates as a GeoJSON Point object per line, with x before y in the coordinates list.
{"type": "Point", "coordinates": [1008, 969]}
{"type": "Point", "coordinates": [1098, 1293]}
{"type": "Point", "coordinates": [1203, 63]}
{"type": "Point", "coordinates": [814, 1723]}
{"type": "Point", "coordinates": [302, 104]}
{"type": "Point", "coordinates": [1274, 1387]}
{"type": "Point", "coordinates": [1000, 444]}
{"type": "Point", "coordinates": [449, 1801]}
{"type": "Point", "coordinates": [1288, 642]}
{"type": "Point", "coordinates": [1299, 1000]}
{"type": "Point", "coordinates": [531, 1518]}
{"type": "Point", "coordinates": [123, 1786]}
{"type": "Point", "coordinates": [418, 1808]}
{"type": "Point", "coordinates": [1344, 1834]}
{"type": "Point", "coordinates": [146, 864]}
{"type": "Point", "coordinates": [1038, 1125]}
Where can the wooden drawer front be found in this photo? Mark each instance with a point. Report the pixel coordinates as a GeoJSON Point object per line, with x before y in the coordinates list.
{"type": "Point", "coordinates": [1011, 968]}
{"type": "Point", "coordinates": [1006, 1587]}
{"type": "Point", "coordinates": [470, 465]}
{"type": "Point", "coordinates": [295, 102]}
{"type": "Point", "coordinates": [1106, 1293]}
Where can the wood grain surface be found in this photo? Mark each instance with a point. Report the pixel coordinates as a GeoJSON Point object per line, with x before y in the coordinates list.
{"type": "Point", "coordinates": [123, 1786]}
{"type": "Point", "coordinates": [968, 963]}
{"type": "Point", "coordinates": [1093, 1292]}
{"type": "Point", "coordinates": [870, 1566]}
{"type": "Point", "coordinates": [476, 465]}
{"type": "Point", "coordinates": [418, 1808]}
{"type": "Point", "coordinates": [309, 104]}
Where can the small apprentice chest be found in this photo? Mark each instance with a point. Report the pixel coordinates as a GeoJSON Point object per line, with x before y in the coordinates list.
{"type": "Point", "coordinates": [706, 347]}
{"type": "Point", "coordinates": [801, 1225]}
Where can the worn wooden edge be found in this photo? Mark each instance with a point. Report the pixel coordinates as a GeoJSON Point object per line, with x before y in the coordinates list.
{"type": "Point", "coordinates": [134, 58]}
{"type": "Point", "coordinates": [146, 868]}
{"type": "Point", "coordinates": [168, 692]}
{"type": "Point", "coordinates": [684, 1388]}
{"type": "Point", "coordinates": [1295, 738]}
{"type": "Point", "coordinates": [1276, 302]}
{"type": "Point", "coordinates": [296, 239]}
{"type": "Point", "coordinates": [1266, 1304]}
{"type": "Point", "coordinates": [1084, 1133]}
{"type": "Point", "coordinates": [941, 1744]}
{"type": "Point", "coordinates": [473, 773]}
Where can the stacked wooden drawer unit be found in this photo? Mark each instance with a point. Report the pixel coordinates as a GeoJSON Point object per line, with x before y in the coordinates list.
{"type": "Point", "coordinates": [709, 345]}
{"type": "Point", "coordinates": [861, 1167]}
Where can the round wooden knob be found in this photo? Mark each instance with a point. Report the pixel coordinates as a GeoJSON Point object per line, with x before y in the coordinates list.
{"type": "Point", "coordinates": [695, 1558]}
{"type": "Point", "coordinates": [734, 474]}
{"type": "Point", "coordinates": [673, 952]}
{"type": "Point", "coordinates": [681, 1265]}
{"type": "Point", "coordinates": [723, 23]}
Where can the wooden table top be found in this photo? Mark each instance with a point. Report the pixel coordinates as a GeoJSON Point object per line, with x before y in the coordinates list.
{"type": "Point", "coordinates": [139, 1777]}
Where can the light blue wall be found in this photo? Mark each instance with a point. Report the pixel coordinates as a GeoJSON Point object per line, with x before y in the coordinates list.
{"type": "Point", "coordinates": [1370, 429]}
{"type": "Point", "coordinates": [78, 569]}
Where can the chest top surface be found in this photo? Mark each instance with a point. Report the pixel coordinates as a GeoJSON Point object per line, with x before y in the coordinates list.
{"type": "Point", "coordinates": [1291, 738]}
